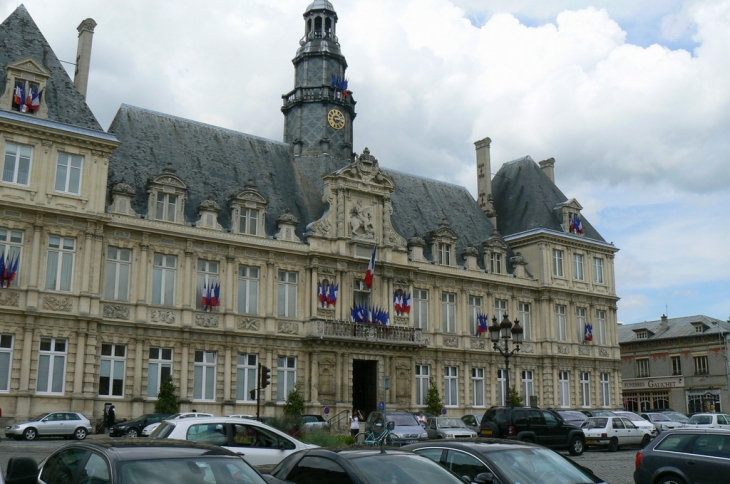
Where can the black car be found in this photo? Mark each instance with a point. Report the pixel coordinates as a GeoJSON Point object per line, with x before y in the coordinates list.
{"type": "Point", "coordinates": [507, 461]}
{"type": "Point", "coordinates": [361, 466]}
{"type": "Point", "coordinates": [530, 424]}
{"type": "Point", "coordinates": [685, 456]}
{"type": "Point", "coordinates": [133, 428]}
{"type": "Point", "coordinates": [134, 462]}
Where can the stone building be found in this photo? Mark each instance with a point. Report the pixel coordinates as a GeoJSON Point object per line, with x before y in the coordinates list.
{"type": "Point", "coordinates": [677, 363]}
{"type": "Point", "coordinates": [120, 234]}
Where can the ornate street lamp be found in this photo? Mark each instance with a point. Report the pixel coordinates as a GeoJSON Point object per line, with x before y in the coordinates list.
{"type": "Point", "coordinates": [506, 331]}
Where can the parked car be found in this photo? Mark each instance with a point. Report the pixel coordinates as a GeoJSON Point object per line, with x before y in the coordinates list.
{"type": "Point", "coordinates": [448, 428]}
{"type": "Point", "coordinates": [677, 416]}
{"type": "Point", "coordinates": [361, 466]}
{"type": "Point", "coordinates": [573, 417]}
{"type": "Point", "coordinates": [257, 442]}
{"type": "Point", "coordinates": [613, 432]}
{"type": "Point", "coordinates": [685, 455]}
{"type": "Point", "coordinates": [529, 424]}
{"type": "Point", "coordinates": [241, 415]}
{"type": "Point", "coordinates": [134, 427]}
{"type": "Point", "coordinates": [598, 413]}
{"type": "Point", "coordinates": [151, 427]}
{"type": "Point", "coordinates": [407, 429]}
{"type": "Point", "coordinates": [472, 421]}
{"type": "Point", "coordinates": [709, 420]}
{"type": "Point", "coordinates": [639, 421]}
{"type": "Point", "coordinates": [53, 424]}
{"type": "Point", "coordinates": [314, 422]}
{"type": "Point", "coordinates": [506, 461]}
{"type": "Point", "coordinates": [661, 421]}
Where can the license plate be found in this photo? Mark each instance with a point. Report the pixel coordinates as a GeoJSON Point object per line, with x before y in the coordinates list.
{"type": "Point", "coordinates": [487, 432]}
{"type": "Point", "coordinates": [591, 441]}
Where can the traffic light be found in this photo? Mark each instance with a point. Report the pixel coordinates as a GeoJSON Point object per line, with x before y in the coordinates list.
{"type": "Point", "coordinates": [265, 376]}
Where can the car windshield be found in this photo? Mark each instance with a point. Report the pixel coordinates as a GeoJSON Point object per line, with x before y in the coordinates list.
{"type": "Point", "coordinates": [530, 466]}
{"type": "Point", "coordinates": [700, 419]}
{"type": "Point", "coordinates": [403, 419]}
{"type": "Point", "coordinates": [403, 469]}
{"type": "Point", "coordinates": [659, 417]}
{"type": "Point", "coordinates": [192, 470]}
{"type": "Point", "coordinates": [631, 416]}
{"type": "Point", "coordinates": [162, 431]}
{"type": "Point", "coordinates": [450, 423]}
{"type": "Point", "coordinates": [568, 415]}
{"type": "Point", "coordinates": [595, 423]}
{"type": "Point", "coordinates": [677, 417]}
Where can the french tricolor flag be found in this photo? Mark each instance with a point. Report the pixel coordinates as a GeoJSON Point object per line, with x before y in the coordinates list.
{"type": "Point", "coordinates": [370, 274]}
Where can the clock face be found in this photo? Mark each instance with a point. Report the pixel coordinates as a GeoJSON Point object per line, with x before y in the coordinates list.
{"type": "Point", "coordinates": [336, 119]}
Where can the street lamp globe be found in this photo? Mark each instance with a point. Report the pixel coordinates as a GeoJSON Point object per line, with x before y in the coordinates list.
{"type": "Point", "coordinates": [494, 330]}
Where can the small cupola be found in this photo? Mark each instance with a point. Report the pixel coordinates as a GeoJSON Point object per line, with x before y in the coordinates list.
{"type": "Point", "coordinates": [208, 211]}
{"type": "Point", "coordinates": [415, 248]}
{"type": "Point", "coordinates": [470, 256]}
{"type": "Point", "coordinates": [286, 225]}
{"type": "Point", "coordinates": [122, 195]}
{"type": "Point", "coordinates": [320, 22]}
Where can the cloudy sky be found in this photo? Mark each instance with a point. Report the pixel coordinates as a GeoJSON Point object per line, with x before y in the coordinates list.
{"type": "Point", "coordinates": [631, 97]}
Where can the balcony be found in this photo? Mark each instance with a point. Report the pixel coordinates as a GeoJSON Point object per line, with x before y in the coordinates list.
{"type": "Point", "coordinates": [346, 331]}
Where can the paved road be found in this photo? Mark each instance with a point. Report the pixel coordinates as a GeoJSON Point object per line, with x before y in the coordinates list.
{"type": "Point", "coordinates": [614, 467]}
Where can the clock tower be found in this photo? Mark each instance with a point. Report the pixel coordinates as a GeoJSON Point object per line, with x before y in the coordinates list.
{"type": "Point", "coordinates": [320, 109]}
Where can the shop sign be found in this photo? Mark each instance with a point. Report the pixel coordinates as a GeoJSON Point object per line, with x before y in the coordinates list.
{"type": "Point", "coordinates": [652, 383]}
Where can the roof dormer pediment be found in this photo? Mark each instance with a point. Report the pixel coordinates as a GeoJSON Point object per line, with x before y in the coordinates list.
{"type": "Point", "coordinates": [29, 66]}
{"type": "Point", "coordinates": [365, 171]}
{"type": "Point", "coordinates": [169, 178]}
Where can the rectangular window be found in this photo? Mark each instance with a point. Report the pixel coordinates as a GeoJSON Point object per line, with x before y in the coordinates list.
{"type": "Point", "coordinates": [287, 294]}
{"type": "Point", "coordinates": [500, 309]}
{"type": "Point", "coordinates": [204, 375]}
{"type": "Point", "coordinates": [111, 372]}
{"type": "Point", "coordinates": [564, 384]}
{"type": "Point", "coordinates": [11, 249]}
{"type": "Point", "coordinates": [423, 374]}
{"type": "Point", "coordinates": [248, 290]}
{"type": "Point", "coordinates": [676, 366]}
{"type": "Point", "coordinates": [208, 276]}
{"type": "Point", "coordinates": [642, 368]}
{"type": "Point", "coordinates": [598, 270]}
{"type": "Point", "coordinates": [6, 361]}
{"type": "Point", "coordinates": [528, 385]}
{"type": "Point", "coordinates": [560, 311]}
{"type": "Point", "coordinates": [118, 269]}
{"type": "Point", "coordinates": [51, 366]}
{"type": "Point", "coordinates": [286, 377]}
{"type": "Point", "coordinates": [501, 387]}
{"type": "Point", "coordinates": [420, 308]}
{"type": "Point", "coordinates": [448, 311]}
{"type": "Point", "coordinates": [68, 173]}
{"type": "Point", "coordinates": [60, 264]}
{"type": "Point", "coordinates": [600, 329]}
{"type": "Point", "coordinates": [17, 164]}
{"type": "Point", "coordinates": [701, 367]}
{"type": "Point", "coordinates": [477, 386]}
{"type": "Point", "coordinates": [361, 293]}
{"type": "Point", "coordinates": [29, 99]}
{"type": "Point", "coordinates": [166, 207]}
{"type": "Point", "coordinates": [451, 386]}
{"type": "Point", "coordinates": [163, 279]}
{"type": "Point", "coordinates": [249, 221]}
{"type": "Point", "coordinates": [558, 263]}
{"type": "Point", "coordinates": [582, 316]}
{"type": "Point", "coordinates": [495, 263]}
{"type": "Point", "coordinates": [246, 377]}
{"type": "Point", "coordinates": [160, 368]}
{"type": "Point", "coordinates": [445, 254]}
{"type": "Point", "coordinates": [526, 321]}
{"type": "Point", "coordinates": [585, 388]}
{"type": "Point", "coordinates": [605, 390]}
{"type": "Point", "coordinates": [475, 308]}
{"type": "Point", "coordinates": [578, 272]}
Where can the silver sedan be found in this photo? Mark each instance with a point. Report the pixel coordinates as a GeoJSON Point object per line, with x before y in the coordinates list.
{"type": "Point", "coordinates": [448, 428]}
{"type": "Point", "coordinates": [54, 424]}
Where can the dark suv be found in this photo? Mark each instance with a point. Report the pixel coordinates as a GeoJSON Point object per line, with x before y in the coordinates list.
{"type": "Point", "coordinates": [529, 424]}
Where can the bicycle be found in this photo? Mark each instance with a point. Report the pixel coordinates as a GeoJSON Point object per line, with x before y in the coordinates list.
{"type": "Point", "coordinates": [369, 437]}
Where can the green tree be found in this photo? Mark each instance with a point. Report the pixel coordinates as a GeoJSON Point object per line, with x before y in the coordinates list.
{"type": "Point", "coordinates": [515, 399]}
{"type": "Point", "coordinates": [433, 399]}
{"type": "Point", "coordinates": [167, 400]}
{"type": "Point", "coordinates": [294, 405]}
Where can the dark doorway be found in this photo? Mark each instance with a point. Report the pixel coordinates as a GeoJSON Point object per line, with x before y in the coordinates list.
{"type": "Point", "coordinates": [365, 386]}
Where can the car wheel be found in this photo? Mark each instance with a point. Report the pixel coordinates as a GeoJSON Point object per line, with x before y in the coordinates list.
{"type": "Point", "coordinates": [30, 434]}
{"type": "Point", "coordinates": [613, 445]}
{"type": "Point", "coordinates": [132, 433]}
{"type": "Point", "coordinates": [80, 433]}
{"type": "Point", "coordinates": [645, 441]}
{"type": "Point", "coordinates": [576, 446]}
{"type": "Point", "coordinates": [670, 479]}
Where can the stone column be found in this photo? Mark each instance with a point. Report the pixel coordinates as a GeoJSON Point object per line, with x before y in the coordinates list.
{"type": "Point", "coordinates": [80, 357]}
{"type": "Point", "coordinates": [36, 254]}
{"type": "Point", "coordinates": [227, 375]}
{"type": "Point", "coordinates": [143, 270]}
{"type": "Point", "coordinates": [26, 356]}
{"type": "Point", "coordinates": [86, 268]}
{"type": "Point", "coordinates": [98, 257]}
{"type": "Point", "coordinates": [231, 282]}
{"type": "Point", "coordinates": [137, 390]}
{"type": "Point", "coordinates": [313, 288]}
{"type": "Point", "coordinates": [184, 371]}
{"type": "Point", "coordinates": [314, 384]}
{"type": "Point", "coordinates": [270, 299]}
{"type": "Point", "coordinates": [189, 280]}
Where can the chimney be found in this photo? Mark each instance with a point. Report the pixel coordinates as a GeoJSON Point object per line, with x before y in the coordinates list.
{"type": "Point", "coordinates": [83, 55]}
{"type": "Point", "coordinates": [665, 321]}
{"type": "Point", "coordinates": [484, 179]}
{"type": "Point", "coordinates": [548, 168]}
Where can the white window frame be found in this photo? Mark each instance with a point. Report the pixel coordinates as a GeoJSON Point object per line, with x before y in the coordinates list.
{"type": "Point", "coordinates": [561, 321]}
{"type": "Point", "coordinates": [7, 343]}
{"type": "Point", "coordinates": [118, 266]}
{"type": "Point", "coordinates": [642, 368]}
{"type": "Point", "coordinates": [444, 254]}
{"type": "Point", "coordinates": [360, 293]}
{"type": "Point", "coordinates": [676, 365]}
{"type": "Point", "coordinates": [598, 270]}
{"type": "Point", "coordinates": [60, 263]}
{"type": "Point", "coordinates": [54, 359]}
{"type": "Point", "coordinates": [500, 309]}
{"type": "Point", "coordinates": [581, 315]}
{"type": "Point", "coordinates": [526, 320]}
{"type": "Point", "coordinates": [477, 387]}
{"type": "Point", "coordinates": [166, 206]}
{"type": "Point", "coordinates": [448, 311]}
{"type": "Point", "coordinates": [208, 273]}
{"type": "Point", "coordinates": [248, 289]}
{"type": "Point", "coordinates": [11, 246]}
{"type": "Point", "coordinates": [564, 388]}
{"type": "Point", "coordinates": [423, 375]}
{"type": "Point", "coordinates": [287, 297]}
{"type": "Point", "coordinates": [579, 267]}
{"type": "Point", "coordinates": [248, 221]}
{"type": "Point", "coordinates": [420, 308]}
{"type": "Point", "coordinates": [113, 362]}
{"type": "Point", "coordinates": [246, 376]}
{"type": "Point", "coordinates": [73, 164]}
{"type": "Point", "coordinates": [558, 256]}
{"type": "Point", "coordinates": [701, 365]}
{"type": "Point", "coordinates": [160, 361]}
{"type": "Point", "coordinates": [23, 156]}
{"type": "Point", "coordinates": [451, 386]}
{"type": "Point", "coordinates": [204, 375]}
{"type": "Point", "coordinates": [605, 389]}
{"type": "Point", "coordinates": [495, 263]}
{"type": "Point", "coordinates": [475, 307]}
{"type": "Point", "coordinates": [528, 385]}
{"type": "Point", "coordinates": [501, 386]}
{"type": "Point", "coordinates": [286, 381]}
{"type": "Point", "coordinates": [601, 327]}
{"type": "Point", "coordinates": [585, 388]}
{"type": "Point", "coordinates": [164, 278]}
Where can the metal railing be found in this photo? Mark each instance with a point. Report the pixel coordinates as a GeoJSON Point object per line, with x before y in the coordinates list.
{"type": "Point", "coordinates": [346, 330]}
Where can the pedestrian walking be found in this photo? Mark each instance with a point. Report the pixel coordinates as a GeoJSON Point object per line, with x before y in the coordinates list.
{"type": "Point", "coordinates": [355, 422]}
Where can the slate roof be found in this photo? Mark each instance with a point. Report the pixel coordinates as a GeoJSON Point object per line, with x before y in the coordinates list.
{"type": "Point", "coordinates": [674, 328]}
{"type": "Point", "coordinates": [20, 39]}
{"type": "Point", "coordinates": [525, 199]}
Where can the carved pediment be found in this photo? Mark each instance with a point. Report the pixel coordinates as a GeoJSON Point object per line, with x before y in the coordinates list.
{"type": "Point", "coordinates": [444, 232]}
{"type": "Point", "coordinates": [366, 169]}
{"type": "Point", "coordinates": [31, 66]}
{"type": "Point", "coordinates": [495, 242]}
{"type": "Point", "coordinates": [168, 177]}
{"type": "Point", "coordinates": [571, 204]}
{"type": "Point", "coordinates": [249, 194]}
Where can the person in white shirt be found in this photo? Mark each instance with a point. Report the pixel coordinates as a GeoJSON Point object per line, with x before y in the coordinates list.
{"type": "Point", "coordinates": [355, 421]}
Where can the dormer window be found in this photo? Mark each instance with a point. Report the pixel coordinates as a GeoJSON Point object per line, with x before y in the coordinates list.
{"type": "Point", "coordinates": [699, 327]}
{"type": "Point", "coordinates": [167, 196]}
{"type": "Point", "coordinates": [495, 263]}
{"type": "Point", "coordinates": [642, 334]}
{"type": "Point", "coordinates": [445, 254]}
{"type": "Point", "coordinates": [443, 241]}
{"type": "Point", "coordinates": [572, 220]}
{"type": "Point", "coordinates": [495, 254]}
{"type": "Point", "coordinates": [166, 208]}
{"type": "Point", "coordinates": [249, 221]}
{"type": "Point", "coordinates": [27, 96]}
{"type": "Point", "coordinates": [26, 88]}
{"type": "Point", "coordinates": [249, 211]}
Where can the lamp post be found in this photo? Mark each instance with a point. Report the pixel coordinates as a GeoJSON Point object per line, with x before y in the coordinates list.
{"type": "Point", "coordinates": [506, 331]}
